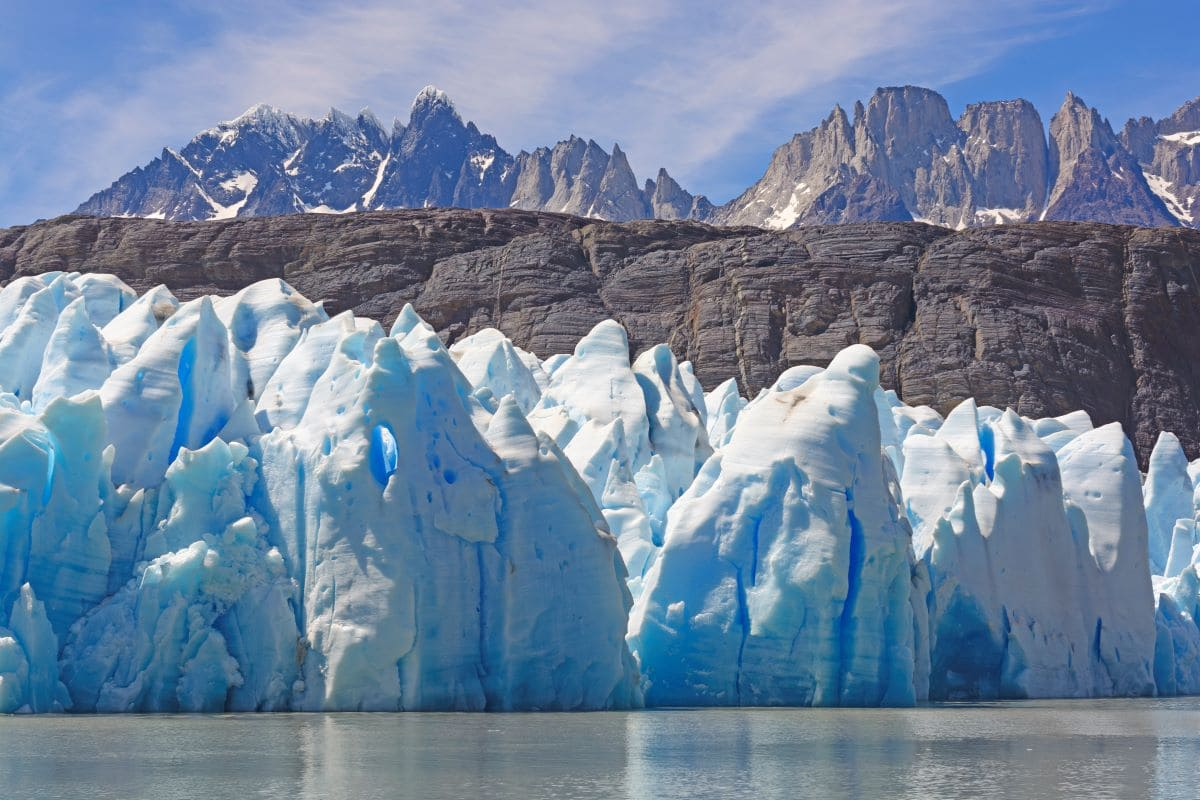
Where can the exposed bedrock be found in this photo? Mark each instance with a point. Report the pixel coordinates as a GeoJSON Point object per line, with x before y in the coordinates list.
{"type": "Point", "coordinates": [1043, 317]}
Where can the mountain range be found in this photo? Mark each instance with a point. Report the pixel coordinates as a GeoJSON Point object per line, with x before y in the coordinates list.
{"type": "Point", "coordinates": [900, 156]}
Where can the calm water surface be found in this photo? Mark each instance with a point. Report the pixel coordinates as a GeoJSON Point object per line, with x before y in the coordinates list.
{"type": "Point", "coordinates": [1094, 749]}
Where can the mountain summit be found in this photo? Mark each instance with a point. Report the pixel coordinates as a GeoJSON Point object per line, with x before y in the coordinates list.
{"type": "Point", "coordinates": [899, 156]}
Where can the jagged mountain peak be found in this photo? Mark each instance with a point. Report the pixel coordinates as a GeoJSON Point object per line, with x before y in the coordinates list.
{"type": "Point", "coordinates": [1077, 109]}
{"type": "Point", "coordinates": [838, 116]}
{"type": "Point", "coordinates": [1077, 125]}
{"type": "Point", "coordinates": [1094, 176]}
{"type": "Point", "coordinates": [898, 154]}
{"type": "Point", "coordinates": [258, 112]}
{"type": "Point", "coordinates": [1168, 154]}
{"type": "Point", "coordinates": [363, 119]}
{"type": "Point", "coordinates": [908, 106]}
{"type": "Point", "coordinates": [431, 98]}
{"type": "Point", "coordinates": [1019, 104]}
{"type": "Point", "coordinates": [905, 93]}
{"type": "Point", "coordinates": [618, 158]}
{"type": "Point", "coordinates": [264, 118]}
{"type": "Point", "coordinates": [340, 118]}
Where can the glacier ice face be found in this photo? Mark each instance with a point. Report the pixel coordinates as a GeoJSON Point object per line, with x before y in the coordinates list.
{"type": "Point", "coordinates": [635, 432]}
{"type": "Point", "coordinates": [52, 478]}
{"type": "Point", "coordinates": [176, 392]}
{"type": "Point", "coordinates": [29, 680]}
{"type": "Point", "coordinates": [722, 407]}
{"type": "Point", "coordinates": [128, 331]}
{"type": "Point", "coordinates": [785, 572]}
{"type": "Point", "coordinates": [206, 625]}
{"type": "Point", "coordinates": [489, 360]}
{"type": "Point", "coordinates": [240, 503]}
{"type": "Point", "coordinates": [1037, 561]}
{"type": "Point", "coordinates": [76, 358]}
{"type": "Point", "coordinates": [1102, 493]}
{"type": "Point", "coordinates": [416, 575]}
{"type": "Point", "coordinates": [1168, 499]}
{"type": "Point", "coordinates": [24, 340]}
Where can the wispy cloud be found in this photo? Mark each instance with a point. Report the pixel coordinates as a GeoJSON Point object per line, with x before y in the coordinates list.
{"type": "Point", "coordinates": [693, 86]}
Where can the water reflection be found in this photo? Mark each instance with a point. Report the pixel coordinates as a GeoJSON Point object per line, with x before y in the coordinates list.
{"type": "Point", "coordinates": [1116, 749]}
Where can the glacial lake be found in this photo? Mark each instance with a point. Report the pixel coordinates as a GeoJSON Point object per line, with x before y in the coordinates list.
{"type": "Point", "coordinates": [1037, 749]}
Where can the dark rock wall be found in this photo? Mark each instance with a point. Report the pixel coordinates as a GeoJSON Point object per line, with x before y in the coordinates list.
{"type": "Point", "coordinates": [1043, 317]}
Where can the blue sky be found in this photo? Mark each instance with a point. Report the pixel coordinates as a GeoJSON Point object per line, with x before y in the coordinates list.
{"type": "Point", "coordinates": [707, 89]}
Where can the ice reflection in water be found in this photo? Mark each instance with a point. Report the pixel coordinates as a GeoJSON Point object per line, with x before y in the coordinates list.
{"type": "Point", "coordinates": [1095, 749]}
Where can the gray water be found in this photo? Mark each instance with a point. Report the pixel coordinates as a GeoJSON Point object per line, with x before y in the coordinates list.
{"type": "Point", "coordinates": [1094, 749]}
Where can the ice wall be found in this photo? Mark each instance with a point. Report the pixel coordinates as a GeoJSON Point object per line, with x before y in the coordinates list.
{"type": "Point", "coordinates": [240, 503]}
{"type": "Point", "coordinates": [785, 572]}
{"type": "Point", "coordinates": [634, 431]}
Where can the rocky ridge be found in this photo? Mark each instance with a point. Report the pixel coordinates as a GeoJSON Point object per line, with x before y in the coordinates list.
{"type": "Point", "coordinates": [268, 162]}
{"type": "Point", "coordinates": [1044, 317]}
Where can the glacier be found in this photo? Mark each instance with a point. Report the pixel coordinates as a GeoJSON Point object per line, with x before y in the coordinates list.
{"type": "Point", "coordinates": [243, 503]}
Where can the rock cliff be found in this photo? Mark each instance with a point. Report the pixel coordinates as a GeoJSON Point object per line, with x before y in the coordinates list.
{"type": "Point", "coordinates": [1043, 317]}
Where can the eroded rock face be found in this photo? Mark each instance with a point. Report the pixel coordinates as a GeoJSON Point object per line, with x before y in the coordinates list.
{"type": "Point", "coordinates": [1044, 317]}
{"type": "Point", "coordinates": [1005, 151]}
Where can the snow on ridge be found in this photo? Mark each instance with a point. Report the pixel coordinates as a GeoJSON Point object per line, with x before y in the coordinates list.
{"type": "Point", "coordinates": [430, 95]}
{"type": "Point", "coordinates": [1163, 188]}
{"type": "Point", "coordinates": [1188, 138]}
{"type": "Point", "coordinates": [287, 164]}
{"type": "Point", "coordinates": [998, 216]}
{"type": "Point", "coordinates": [256, 112]}
{"type": "Point", "coordinates": [244, 182]}
{"type": "Point", "coordinates": [325, 209]}
{"type": "Point", "coordinates": [786, 217]}
{"type": "Point", "coordinates": [482, 162]}
{"type": "Point", "coordinates": [368, 198]}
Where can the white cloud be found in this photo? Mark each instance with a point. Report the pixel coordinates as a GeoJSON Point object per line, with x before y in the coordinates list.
{"type": "Point", "coordinates": [684, 85]}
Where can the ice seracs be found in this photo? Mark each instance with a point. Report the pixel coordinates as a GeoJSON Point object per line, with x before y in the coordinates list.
{"type": "Point", "coordinates": [785, 572]}
{"type": "Point", "coordinates": [259, 508]}
{"type": "Point", "coordinates": [438, 582]}
{"type": "Point", "coordinates": [206, 624]}
{"type": "Point", "coordinates": [240, 503]}
{"type": "Point", "coordinates": [1168, 497]}
{"type": "Point", "coordinates": [29, 681]}
{"type": "Point", "coordinates": [1026, 550]}
{"type": "Point", "coordinates": [634, 431]}
{"type": "Point", "coordinates": [489, 360]}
